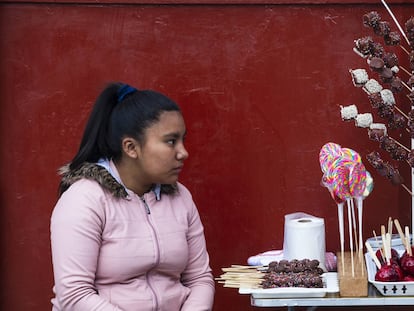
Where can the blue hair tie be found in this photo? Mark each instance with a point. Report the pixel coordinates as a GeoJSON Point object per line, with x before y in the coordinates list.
{"type": "Point", "coordinates": [124, 91]}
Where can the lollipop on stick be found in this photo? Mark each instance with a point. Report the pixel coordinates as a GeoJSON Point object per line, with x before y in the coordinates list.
{"type": "Point", "coordinates": [351, 206]}
{"type": "Point", "coordinates": [351, 245]}
{"type": "Point", "coordinates": [340, 188]}
{"type": "Point", "coordinates": [327, 156]}
{"type": "Point", "coordinates": [357, 185]}
{"type": "Point", "coordinates": [354, 181]}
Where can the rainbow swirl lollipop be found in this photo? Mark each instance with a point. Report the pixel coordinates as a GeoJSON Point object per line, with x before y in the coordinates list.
{"type": "Point", "coordinates": [328, 152]}
{"type": "Point", "coordinates": [330, 175]}
{"type": "Point", "coordinates": [351, 155]}
{"type": "Point", "coordinates": [357, 179]}
{"type": "Point", "coordinates": [342, 161]}
{"type": "Point", "coordinates": [340, 184]}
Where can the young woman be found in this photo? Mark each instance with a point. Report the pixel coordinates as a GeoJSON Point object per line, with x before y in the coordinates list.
{"type": "Point", "coordinates": [125, 234]}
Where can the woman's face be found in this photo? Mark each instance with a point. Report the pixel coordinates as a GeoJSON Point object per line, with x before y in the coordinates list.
{"type": "Point", "coordinates": [162, 154]}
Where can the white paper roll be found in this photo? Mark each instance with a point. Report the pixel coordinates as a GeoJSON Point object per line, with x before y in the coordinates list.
{"type": "Point", "coordinates": [304, 238]}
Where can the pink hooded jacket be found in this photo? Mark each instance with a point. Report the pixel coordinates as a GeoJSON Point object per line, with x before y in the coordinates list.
{"type": "Point", "coordinates": [115, 251]}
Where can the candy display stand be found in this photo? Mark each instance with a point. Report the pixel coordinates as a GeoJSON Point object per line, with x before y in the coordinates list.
{"type": "Point", "coordinates": [352, 283]}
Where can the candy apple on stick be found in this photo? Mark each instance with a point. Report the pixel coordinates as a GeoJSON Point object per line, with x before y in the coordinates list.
{"type": "Point", "coordinates": [407, 259]}
{"type": "Point", "coordinates": [390, 270]}
{"type": "Point", "coordinates": [387, 271]}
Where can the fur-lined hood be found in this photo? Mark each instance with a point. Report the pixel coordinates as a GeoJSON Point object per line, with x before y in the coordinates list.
{"type": "Point", "coordinates": [101, 175]}
{"type": "Point", "coordinates": [94, 172]}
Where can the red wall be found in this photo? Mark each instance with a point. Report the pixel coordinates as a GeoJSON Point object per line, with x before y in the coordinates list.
{"type": "Point", "coordinates": [260, 86]}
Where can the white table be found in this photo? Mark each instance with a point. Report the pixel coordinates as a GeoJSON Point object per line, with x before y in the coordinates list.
{"type": "Point", "coordinates": [374, 298]}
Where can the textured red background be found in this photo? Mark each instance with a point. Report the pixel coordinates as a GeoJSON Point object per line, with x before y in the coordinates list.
{"type": "Point", "coordinates": [260, 85]}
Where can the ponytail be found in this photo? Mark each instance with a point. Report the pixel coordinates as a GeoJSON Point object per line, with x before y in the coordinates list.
{"type": "Point", "coordinates": [94, 143]}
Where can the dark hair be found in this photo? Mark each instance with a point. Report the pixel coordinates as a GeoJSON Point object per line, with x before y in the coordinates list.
{"type": "Point", "coordinates": [115, 116]}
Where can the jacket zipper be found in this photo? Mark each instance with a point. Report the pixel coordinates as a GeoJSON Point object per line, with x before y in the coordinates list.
{"type": "Point", "coordinates": [148, 211]}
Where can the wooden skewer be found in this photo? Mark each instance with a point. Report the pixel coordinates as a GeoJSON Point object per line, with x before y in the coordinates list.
{"type": "Point", "coordinates": [399, 144]}
{"type": "Point", "coordinates": [240, 286]}
{"type": "Point", "coordinates": [380, 248]}
{"type": "Point", "coordinates": [390, 225]}
{"type": "Point", "coordinates": [246, 267]}
{"type": "Point", "coordinates": [382, 230]}
{"type": "Point", "coordinates": [239, 281]}
{"type": "Point", "coordinates": [400, 232]}
{"type": "Point", "coordinates": [384, 244]}
{"type": "Point", "coordinates": [237, 277]}
{"type": "Point", "coordinates": [405, 70]}
{"type": "Point", "coordinates": [395, 21]}
{"type": "Point", "coordinates": [400, 111]}
{"type": "Point", "coordinates": [230, 285]}
{"type": "Point", "coordinates": [237, 270]}
{"type": "Point", "coordinates": [388, 238]}
{"type": "Point", "coordinates": [240, 276]}
{"type": "Point", "coordinates": [404, 49]}
{"type": "Point", "coordinates": [372, 254]}
{"type": "Point", "coordinates": [407, 241]}
{"type": "Point", "coordinates": [405, 84]}
{"type": "Point", "coordinates": [406, 188]}
{"type": "Point", "coordinates": [407, 236]}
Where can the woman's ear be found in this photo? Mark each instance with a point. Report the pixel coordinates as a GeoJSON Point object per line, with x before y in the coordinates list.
{"type": "Point", "coordinates": [130, 147]}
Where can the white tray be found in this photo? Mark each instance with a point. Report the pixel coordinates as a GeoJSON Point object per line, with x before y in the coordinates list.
{"type": "Point", "coordinates": [330, 281]}
{"type": "Point", "coordinates": [387, 288]}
